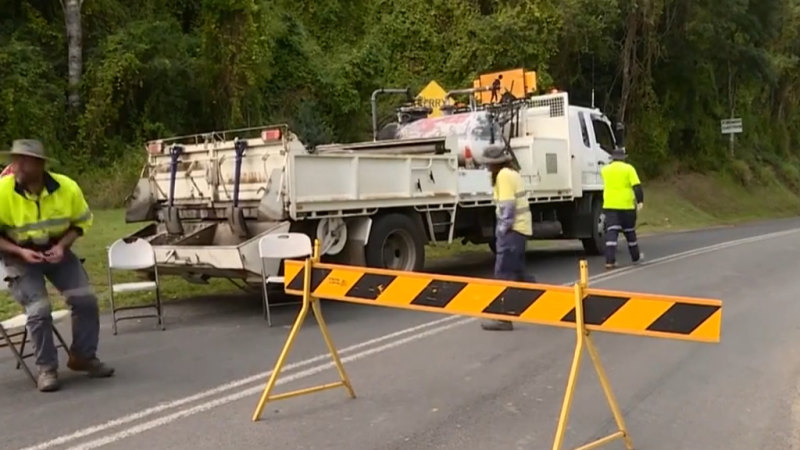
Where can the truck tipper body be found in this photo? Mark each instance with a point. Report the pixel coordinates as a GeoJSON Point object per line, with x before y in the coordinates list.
{"type": "Point", "coordinates": [210, 197]}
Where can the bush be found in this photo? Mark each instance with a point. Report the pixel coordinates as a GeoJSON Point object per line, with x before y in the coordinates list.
{"type": "Point", "coordinates": [741, 172]}
{"type": "Point", "coordinates": [789, 174]}
{"type": "Point", "coordinates": [764, 174]}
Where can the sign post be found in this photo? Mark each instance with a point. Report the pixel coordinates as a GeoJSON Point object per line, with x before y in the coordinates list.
{"type": "Point", "coordinates": [731, 127]}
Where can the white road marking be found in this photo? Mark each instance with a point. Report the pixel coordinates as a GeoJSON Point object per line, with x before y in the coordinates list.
{"type": "Point", "coordinates": [314, 370]}
{"type": "Point", "coordinates": [689, 253]}
{"type": "Point", "coordinates": [226, 387]}
{"type": "Point", "coordinates": [257, 389]}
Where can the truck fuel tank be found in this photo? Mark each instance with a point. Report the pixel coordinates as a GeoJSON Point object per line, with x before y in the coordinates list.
{"type": "Point", "coordinates": [469, 135]}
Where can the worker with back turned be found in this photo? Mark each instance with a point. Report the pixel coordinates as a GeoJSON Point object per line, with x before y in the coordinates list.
{"type": "Point", "coordinates": [622, 198]}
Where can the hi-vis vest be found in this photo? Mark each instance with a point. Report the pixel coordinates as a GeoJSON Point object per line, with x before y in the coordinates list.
{"type": "Point", "coordinates": [38, 221]}
{"type": "Point", "coordinates": [619, 178]}
{"type": "Point", "coordinates": [509, 189]}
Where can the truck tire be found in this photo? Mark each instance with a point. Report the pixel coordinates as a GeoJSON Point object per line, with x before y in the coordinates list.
{"type": "Point", "coordinates": [396, 242]}
{"type": "Point", "coordinates": [596, 244]}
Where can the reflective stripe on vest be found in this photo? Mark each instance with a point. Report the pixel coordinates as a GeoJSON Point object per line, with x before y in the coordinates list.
{"type": "Point", "coordinates": [27, 219]}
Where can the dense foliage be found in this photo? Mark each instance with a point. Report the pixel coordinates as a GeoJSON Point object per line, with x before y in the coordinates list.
{"type": "Point", "coordinates": [670, 69]}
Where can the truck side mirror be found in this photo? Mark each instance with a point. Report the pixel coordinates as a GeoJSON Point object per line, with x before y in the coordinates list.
{"type": "Point", "coordinates": [619, 134]}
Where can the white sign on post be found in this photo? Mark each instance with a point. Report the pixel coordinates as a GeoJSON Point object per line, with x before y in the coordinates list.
{"type": "Point", "coordinates": [731, 126]}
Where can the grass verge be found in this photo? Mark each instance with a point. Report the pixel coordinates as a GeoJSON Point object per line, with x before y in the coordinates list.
{"type": "Point", "coordinates": [680, 203]}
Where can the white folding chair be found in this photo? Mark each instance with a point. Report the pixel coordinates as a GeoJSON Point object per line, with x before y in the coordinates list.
{"type": "Point", "coordinates": [133, 254]}
{"type": "Point", "coordinates": [14, 331]}
{"type": "Point", "coordinates": [280, 246]}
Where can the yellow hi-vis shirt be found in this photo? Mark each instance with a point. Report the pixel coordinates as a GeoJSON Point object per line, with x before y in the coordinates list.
{"type": "Point", "coordinates": [619, 178]}
{"type": "Point", "coordinates": [509, 193]}
{"type": "Point", "coordinates": [39, 221]}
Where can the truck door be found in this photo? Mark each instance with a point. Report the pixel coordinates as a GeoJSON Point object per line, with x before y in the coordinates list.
{"type": "Point", "coordinates": [590, 171]}
{"type": "Point", "coordinates": [602, 143]}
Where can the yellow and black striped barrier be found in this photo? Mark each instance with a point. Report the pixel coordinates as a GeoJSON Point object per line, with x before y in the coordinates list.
{"type": "Point", "coordinates": [639, 314]}
{"type": "Point", "coordinates": [579, 307]}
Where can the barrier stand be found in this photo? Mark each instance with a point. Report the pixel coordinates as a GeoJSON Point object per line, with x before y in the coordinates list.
{"type": "Point", "coordinates": [583, 308]}
{"type": "Point", "coordinates": [585, 340]}
{"type": "Point", "coordinates": [313, 303]}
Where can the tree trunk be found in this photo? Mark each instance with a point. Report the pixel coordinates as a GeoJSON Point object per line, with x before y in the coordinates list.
{"type": "Point", "coordinates": [628, 60]}
{"type": "Point", "coordinates": [72, 18]}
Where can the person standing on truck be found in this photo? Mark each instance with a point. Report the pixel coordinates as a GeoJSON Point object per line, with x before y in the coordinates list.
{"type": "Point", "coordinates": [622, 198]}
{"type": "Point", "coordinates": [514, 224]}
{"type": "Point", "coordinates": [496, 84]}
{"type": "Point", "coordinates": [41, 215]}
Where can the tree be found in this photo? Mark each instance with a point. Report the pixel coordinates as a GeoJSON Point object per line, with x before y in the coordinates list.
{"type": "Point", "coordinates": [72, 19]}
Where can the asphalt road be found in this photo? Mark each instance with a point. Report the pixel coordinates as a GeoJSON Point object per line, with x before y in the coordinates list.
{"type": "Point", "coordinates": [431, 381]}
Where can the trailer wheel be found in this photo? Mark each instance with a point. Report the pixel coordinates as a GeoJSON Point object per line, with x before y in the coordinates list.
{"type": "Point", "coordinates": [596, 244]}
{"type": "Point", "coordinates": [396, 243]}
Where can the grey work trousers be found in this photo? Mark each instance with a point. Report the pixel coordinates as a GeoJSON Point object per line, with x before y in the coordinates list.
{"type": "Point", "coordinates": [27, 285]}
{"type": "Point", "coordinates": [509, 263]}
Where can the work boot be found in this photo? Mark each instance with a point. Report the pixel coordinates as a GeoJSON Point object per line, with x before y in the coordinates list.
{"type": "Point", "coordinates": [611, 266]}
{"type": "Point", "coordinates": [640, 260]}
{"type": "Point", "coordinates": [47, 380]}
{"type": "Point", "coordinates": [497, 325]}
{"type": "Point", "coordinates": [93, 366]}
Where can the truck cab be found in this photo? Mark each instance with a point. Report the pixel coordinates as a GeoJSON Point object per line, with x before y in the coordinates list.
{"type": "Point", "coordinates": [591, 136]}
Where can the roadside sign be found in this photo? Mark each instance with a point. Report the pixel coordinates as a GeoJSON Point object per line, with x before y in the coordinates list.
{"type": "Point", "coordinates": [433, 96]}
{"type": "Point", "coordinates": [731, 126]}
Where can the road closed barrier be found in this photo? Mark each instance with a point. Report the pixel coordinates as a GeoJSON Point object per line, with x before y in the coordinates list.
{"type": "Point", "coordinates": [579, 307]}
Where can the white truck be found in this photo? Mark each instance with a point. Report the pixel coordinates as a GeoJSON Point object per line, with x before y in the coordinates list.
{"type": "Point", "coordinates": [211, 197]}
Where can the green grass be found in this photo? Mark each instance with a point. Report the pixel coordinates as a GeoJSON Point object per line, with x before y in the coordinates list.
{"type": "Point", "coordinates": [696, 201]}
{"type": "Point", "coordinates": [680, 203]}
{"type": "Point", "coordinates": [109, 225]}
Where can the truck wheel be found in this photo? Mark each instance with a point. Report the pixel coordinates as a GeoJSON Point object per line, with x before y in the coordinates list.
{"type": "Point", "coordinates": [396, 243]}
{"type": "Point", "coordinates": [596, 244]}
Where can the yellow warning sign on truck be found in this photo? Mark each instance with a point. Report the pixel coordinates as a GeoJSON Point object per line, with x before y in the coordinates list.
{"type": "Point", "coordinates": [518, 82]}
{"type": "Point", "coordinates": [433, 95]}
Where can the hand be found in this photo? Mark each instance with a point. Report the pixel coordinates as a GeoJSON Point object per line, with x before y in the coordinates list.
{"type": "Point", "coordinates": [501, 231]}
{"type": "Point", "coordinates": [55, 254]}
{"type": "Point", "coordinates": [31, 256]}
{"type": "Point", "coordinates": [639, 206]}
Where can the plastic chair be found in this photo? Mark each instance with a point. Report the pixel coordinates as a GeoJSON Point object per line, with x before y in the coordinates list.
{"type": "Point", "coordinates": [133, 254]}
{"type": "Point", "coordinates": [15, 327]}
{"type": "Point", "coordinates": [280, 246]}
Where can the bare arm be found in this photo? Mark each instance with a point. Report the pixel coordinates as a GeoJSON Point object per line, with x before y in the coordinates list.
{"type": "Point", "coordinates": [69, 238]}
{"type": "Point", "coordinates": [9, 247]}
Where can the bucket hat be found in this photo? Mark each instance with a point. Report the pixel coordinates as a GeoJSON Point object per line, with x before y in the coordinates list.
{"type": "Point", "coordinates": [495, 155]}
{"type": "Point", "coordinates": [27, 147]}
{"type": "Point", "coordinates": [619, 155]}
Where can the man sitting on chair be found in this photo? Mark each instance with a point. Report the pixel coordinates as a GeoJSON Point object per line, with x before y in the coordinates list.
{"type": "Point", "coordinates": [41, 216]}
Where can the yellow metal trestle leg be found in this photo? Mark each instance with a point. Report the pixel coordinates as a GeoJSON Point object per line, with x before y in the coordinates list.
{"type": "Point", "coordinates": [308, 303]}
{"type": "Point", "coordinates": [584, 339]}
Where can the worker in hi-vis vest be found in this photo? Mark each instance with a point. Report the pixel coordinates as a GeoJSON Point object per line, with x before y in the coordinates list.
{"type": "Point", "coordinates": [514, 224]}
{"type": "Point", "coordinates": [622, 198]}
{"type": "Point", "coordinates": [41, 215]}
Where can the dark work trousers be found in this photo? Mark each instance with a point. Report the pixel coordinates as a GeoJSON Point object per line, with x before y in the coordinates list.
{"type": "Point", "coordinates": [623, 220]}
{"type": "Point", "coordinates": [27, 285]}
{"type": "Point", "coordinates": [509, 263]}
